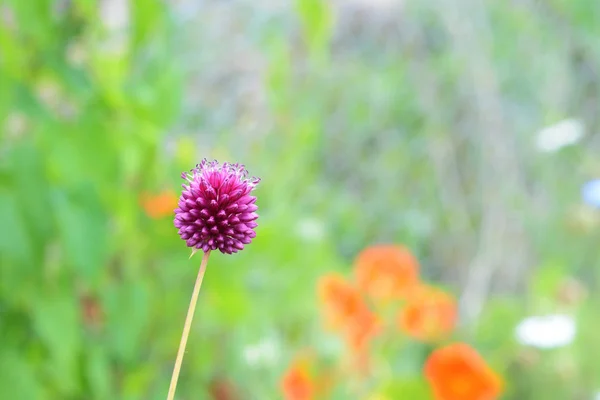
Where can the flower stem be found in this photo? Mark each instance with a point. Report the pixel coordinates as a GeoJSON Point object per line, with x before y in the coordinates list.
{"type": "Point", "coordinates": [187, 326]}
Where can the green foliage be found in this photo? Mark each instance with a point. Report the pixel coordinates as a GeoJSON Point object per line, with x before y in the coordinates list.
{"type": "Point", "coordinates": [363, 139]}
{"type": "Point", "coordinates": [317, 20]}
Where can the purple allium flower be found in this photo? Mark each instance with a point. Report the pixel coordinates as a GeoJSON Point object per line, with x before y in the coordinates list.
{"type": "Point", "coordinates": [216, 210]}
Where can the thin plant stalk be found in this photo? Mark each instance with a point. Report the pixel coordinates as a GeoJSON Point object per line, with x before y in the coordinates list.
{"type": "Point", "coordinates": [187, 326]}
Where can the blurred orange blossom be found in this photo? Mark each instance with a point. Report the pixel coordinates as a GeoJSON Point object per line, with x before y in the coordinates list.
{"type": "Point", "coordinates": [430, 314]}
{"type": "Point", "coordinates": [341, 301]}
{"type": "Point", "coordinates": [362, 328]}
{"type": "Point", "coordinates": [386, 272]}
{"type": "Point", "coordinates": [159, 205]}
{"type": "Point", "coordinates": [297, 383]}
{"type": "Point", "coordinates": [458, 372]}
{"type": "Point", "coordinates": [346, 311]}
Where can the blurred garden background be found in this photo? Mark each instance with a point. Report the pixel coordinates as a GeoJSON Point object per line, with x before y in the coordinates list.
{"type": "Point", "coordinates": [450, 142]}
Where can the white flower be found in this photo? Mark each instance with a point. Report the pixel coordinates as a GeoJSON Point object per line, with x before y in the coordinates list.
{"type": "Point", "coordinates": [546, 332]}
{"type": "Point", "coordinates": [559, 135]}
{"type": "Point", "coordinates": [266, 352]}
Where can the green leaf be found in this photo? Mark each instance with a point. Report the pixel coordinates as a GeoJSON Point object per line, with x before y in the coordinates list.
{"type": "Point", "coordinates": [416, 388]}
{"type": "Point", "coordinates": [547, 280]}
{"type": "Point", "coordinates": [137, 381]}
{"type": "Point", "coordinates": [317, 18]}
{"type": "Point", "coordinates": [83, 230]}
{"type": "Point", "coordinates": [15, 243]}
{"type": "Point", "coordinates": [19, 270]}
{"type": "Point", "coordinates": [34, 19]}
{"type": "Point", "coordinates": [14, 56]}
{"type": "Point", "coordinates": [17, 378]}
{"type": "Point", "coordinates": [128, 313]}
{"type": "Point", "coordinates": [147, 16]}
{"type": "Point", "coordinates": [110, 72]}
{"type": "Point", "coordinates": [56, 321]}
{"type": "Point", "coordinates": [226, 299]}
{"type": "Point", "coordinates": [98, 372]}
{"type": "Point", "coordinates": [497, 322]}
{"type": "Point", "coordinates": [278, 74]}
{"type": "Point", "coordinates": [30, 178]}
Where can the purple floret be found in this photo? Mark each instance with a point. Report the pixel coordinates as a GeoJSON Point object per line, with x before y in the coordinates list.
{"type": "Point", "coordinates": [216, 210]}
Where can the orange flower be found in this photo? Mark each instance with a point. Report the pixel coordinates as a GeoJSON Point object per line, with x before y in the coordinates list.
{"type": "Point", "coordinates": [386, 272]}
{"type": "Point", "coordinates": [361, 329]}
{"type": "Point", "coordinates": [347, 312]}
{"type": "Point", "coordinates": [429, 315]}
{"type": "Point", "coordinates": [358, 335]}
{"type": "Point", "coordinates": [160, 205]}
{"type": "Point", "coordinates": [458, 372]}
{"type": "Point", "coordinates": [297, 383]}
{"type": "Point", "coordinates": [341, 301]}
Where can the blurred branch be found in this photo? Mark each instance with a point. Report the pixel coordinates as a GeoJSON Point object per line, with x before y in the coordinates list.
{"type": "Point", "coordinates": [502, 243]}
{"type": "Point", "coordinates": [440, 145]}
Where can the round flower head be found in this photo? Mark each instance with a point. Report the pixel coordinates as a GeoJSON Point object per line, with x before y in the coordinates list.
{"type": "Point", "coordinates": [216, 210]}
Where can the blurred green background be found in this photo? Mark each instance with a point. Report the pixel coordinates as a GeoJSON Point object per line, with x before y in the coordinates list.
{"type": "Point", "coordinates": [399, 121]}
